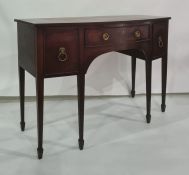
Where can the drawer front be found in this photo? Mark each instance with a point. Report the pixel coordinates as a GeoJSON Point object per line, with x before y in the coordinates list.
{"type": "Point", "coordinates": [160, 35]}
{"type": "Point", "coordinates": [115, 36]}
{"type": "Point", "coordinates": [61, 51]}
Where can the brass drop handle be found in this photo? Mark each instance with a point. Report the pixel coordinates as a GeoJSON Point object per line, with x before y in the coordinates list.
{"type": "Point", "coordinates": [105, 36]}
{"type": "Point", "coordinates": [137, 34]}
{"type": "Point", "coordinates": [62, 56]}
{"type": "Point", "coordinates": [160, 42]}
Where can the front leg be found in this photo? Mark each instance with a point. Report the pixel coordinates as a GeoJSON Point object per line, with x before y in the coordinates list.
{"type": "Point", "coordinates": [148, 88]}
{"type": "Point", "coordinates": [81, 96]}
{"type": "Point", "coordinates": [133, 70]}
{"type": "Point", "coordinates": [164, 81]}
{"type": "Point", "coordinates": [22, 96]}
{"type": "Point", "coordinates": [40, 98]}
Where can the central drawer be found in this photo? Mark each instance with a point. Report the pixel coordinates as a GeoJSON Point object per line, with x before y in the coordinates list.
{"type": "Point", "coordinates": [107, 36]}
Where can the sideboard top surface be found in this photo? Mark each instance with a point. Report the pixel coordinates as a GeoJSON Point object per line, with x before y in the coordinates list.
{"type": "Point", "coordinates": [94, 19]}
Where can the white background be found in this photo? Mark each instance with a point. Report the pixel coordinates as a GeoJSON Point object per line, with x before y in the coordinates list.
{"type": "Point", "coordinates": [110, 73]}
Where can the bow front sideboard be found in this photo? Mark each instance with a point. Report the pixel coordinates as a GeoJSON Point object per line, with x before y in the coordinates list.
{"type": "Point", "coordinates": [67, 46]}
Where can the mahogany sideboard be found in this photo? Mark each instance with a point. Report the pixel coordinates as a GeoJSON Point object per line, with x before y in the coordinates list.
{"type": "Point", "coordinates": [66, 46]}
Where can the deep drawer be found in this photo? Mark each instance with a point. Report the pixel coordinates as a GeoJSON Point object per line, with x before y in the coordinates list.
{"type": "Point", "coordinates": [61, 51]}
{"type": "Point", "coordinates": [160, 36]}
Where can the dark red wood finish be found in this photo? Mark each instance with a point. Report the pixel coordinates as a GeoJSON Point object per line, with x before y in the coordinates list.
{"type": "Point", "coordinates": [67, 46]}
